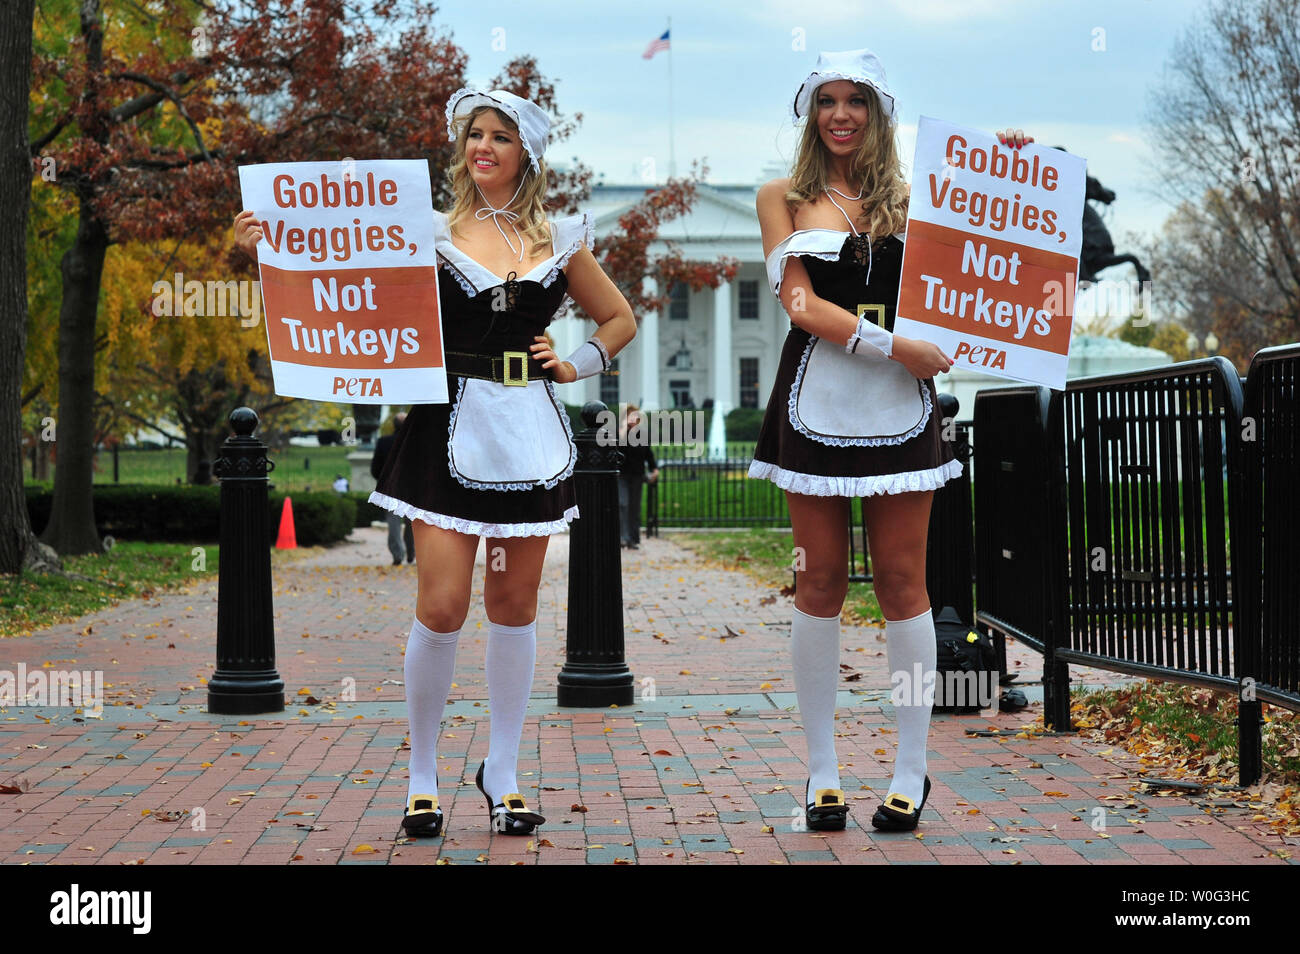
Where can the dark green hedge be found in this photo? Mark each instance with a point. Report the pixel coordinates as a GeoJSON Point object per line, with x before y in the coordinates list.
{"type": "Point", "coordinates": [743, 423]}
{"type": "Point", "coordinates": [366, 511]}
{"type": "Point", "coordinates": [187, 513]}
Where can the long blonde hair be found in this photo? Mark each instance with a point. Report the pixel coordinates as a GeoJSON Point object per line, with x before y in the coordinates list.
{"type": "Point", "coordinates": [528, 203]}
{"type": "Point", "coordinates": [876, 169]}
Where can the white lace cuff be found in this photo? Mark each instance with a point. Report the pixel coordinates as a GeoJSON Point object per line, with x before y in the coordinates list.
{"type": "Point", "coordinates": [870, 333]}
{"type": "Point", "coordinates": [588, 361]}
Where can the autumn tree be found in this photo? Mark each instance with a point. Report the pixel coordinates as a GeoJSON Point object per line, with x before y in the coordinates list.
{"type": "Point", "coordinates": [1226, 125]}
{"type": "Point", "coordinates": [147, 115]}
{"type": "Point", "coordinates": [16, 540]}
{"type": "Point", "coordinates": [119, 111]}
{"type": "Point", "coordinates": [626, 252]}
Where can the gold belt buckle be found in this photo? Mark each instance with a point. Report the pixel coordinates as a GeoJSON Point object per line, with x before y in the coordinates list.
{"type": "Point", "coordinates": [877, 310]}
{"type": "Point", "coordinates": [523, 363]}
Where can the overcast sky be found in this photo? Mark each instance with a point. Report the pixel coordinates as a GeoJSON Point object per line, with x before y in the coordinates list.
{"type": "Point", "coordinates": [982, 63]}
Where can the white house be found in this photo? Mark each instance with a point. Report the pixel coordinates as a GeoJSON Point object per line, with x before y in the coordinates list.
{"type": "Point", "coordinates": [716, 345]}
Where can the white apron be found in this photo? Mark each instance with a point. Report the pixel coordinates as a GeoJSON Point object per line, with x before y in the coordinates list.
{"type": "Point", "coordinates": [508, 437]}
{"type": "Point", "coordinates": [842, 399]}
{"type": "Point", "coordinates": [855, 400]}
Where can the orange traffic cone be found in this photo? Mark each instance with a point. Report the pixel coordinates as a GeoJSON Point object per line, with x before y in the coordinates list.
{"type": "Point", "coordinates": [287, 540]}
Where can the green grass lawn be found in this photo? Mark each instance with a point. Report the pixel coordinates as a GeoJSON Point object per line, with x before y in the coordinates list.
{"type": "Point", "coordinates": [1187, 731]}
{"type": "Point", "coordinates": [32, 601]}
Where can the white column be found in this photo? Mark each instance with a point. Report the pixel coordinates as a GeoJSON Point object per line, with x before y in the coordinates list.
{"type": "Point", "coordinates": [648, 338]}
{"type": "Point", "coordinates": [721, 370]}
{"type": "Point", "coordinates": [568, 335]}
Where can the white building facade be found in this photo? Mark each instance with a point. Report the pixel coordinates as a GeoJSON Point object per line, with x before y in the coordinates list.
{"type": "Point", "coordinates": [719, 346]}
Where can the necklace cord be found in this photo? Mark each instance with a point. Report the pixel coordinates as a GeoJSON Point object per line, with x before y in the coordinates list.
{"type": "Point", "coordinates": [504, 213]}
{"type": "Point", "coordinates": [857, 236]}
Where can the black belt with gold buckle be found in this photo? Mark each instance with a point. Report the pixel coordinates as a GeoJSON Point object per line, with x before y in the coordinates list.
{"type": "Point", "coordinates": [513, 368]}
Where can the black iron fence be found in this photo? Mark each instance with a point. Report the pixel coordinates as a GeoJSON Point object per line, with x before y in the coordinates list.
{"type": "Point", "coordinates": [1269, 528]}
{"type": "Point", "coordinates": [696, 490]}
{"type": "Point", "coordinates": [1144, 523]}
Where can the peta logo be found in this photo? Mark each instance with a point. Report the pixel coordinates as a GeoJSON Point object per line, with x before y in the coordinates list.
{"type": "Point", "coordinates": [983, 355]}
{"type": "Point", "coordinates": [359, 387]}
{"type": "Point", "coordinates": [102, 907]}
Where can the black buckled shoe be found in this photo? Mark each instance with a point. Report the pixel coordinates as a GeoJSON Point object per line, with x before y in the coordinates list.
{"type": "Point", "coordinates": [826, 810]}
{"type": "Point", "coordinates": [511, 815]}
{"type": "Point", "coordinates": [422, 817]}
{"type": "Point", "coordinates": [900, 813]}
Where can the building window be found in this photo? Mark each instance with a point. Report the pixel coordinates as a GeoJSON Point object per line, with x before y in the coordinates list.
{"type": "Point", "coordinates": [679, 307]}
{"type": "Point", "coordinates": [749, 299]}
{"type": "Point", "coordinates": [681, 391]}
{"type": "Point", "coordinates": [609, 384]}
{"type": "Point", "coordinates": [749, 382]}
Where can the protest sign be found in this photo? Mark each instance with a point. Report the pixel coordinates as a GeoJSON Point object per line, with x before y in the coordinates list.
{"type": "Point", "coordinates": [349, 279]}
{"type": "Point", "coordinates": [991, 259]}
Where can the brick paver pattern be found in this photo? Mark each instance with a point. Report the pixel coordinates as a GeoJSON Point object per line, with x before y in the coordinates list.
{"type": "Point", "coordinates": [706, 768]}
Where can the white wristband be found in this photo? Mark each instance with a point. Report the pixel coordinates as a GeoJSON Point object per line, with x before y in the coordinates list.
{"type": "Point", "coordinates": [591, 358]}
{"type": "Point", "coordinates": [870, 333]}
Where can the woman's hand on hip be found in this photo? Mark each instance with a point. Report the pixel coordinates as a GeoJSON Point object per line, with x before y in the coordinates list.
{"type": "Point", "coordinates": [563, 372]}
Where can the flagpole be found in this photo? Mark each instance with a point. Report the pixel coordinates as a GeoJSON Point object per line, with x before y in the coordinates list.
{"type": "Point", "coordinates": [672, 145]}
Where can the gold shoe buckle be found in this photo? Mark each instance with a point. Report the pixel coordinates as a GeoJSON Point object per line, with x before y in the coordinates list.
{"type": "Point", "coordinates": [412, 807]}
{"type": "Point", "coordinates": [515, 803]}
{"type": "Point", "coordinates": [523, 364]}
{"type": "Point", "coordinates": [828, 798]}
{"type": "Point", "coordinates": [900, 803]}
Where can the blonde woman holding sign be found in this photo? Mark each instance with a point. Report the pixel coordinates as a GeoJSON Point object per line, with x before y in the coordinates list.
{"type": "Point", "coordinates": [497, 461]}
{"type": "Point", "coordinates": [853, 413]}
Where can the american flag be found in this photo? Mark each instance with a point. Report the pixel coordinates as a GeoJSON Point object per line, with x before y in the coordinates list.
{"type": "Point", "coordinates": [657, 44]}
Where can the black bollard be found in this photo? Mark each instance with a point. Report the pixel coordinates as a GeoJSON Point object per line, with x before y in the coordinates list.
{"type": "Point", "coordinates": [246, 681]}
{"type": "Point", "coordinates": [595, 671]}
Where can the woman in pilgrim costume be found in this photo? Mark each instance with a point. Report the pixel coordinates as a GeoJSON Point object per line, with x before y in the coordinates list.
{"type": "Point", "coordinates": [852, 412]}
{"type": "Point", "coordinates": [497, 461]}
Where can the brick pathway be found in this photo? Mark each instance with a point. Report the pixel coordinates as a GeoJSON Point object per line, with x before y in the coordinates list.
{"type": "Point", "coordinates": [709, 770]}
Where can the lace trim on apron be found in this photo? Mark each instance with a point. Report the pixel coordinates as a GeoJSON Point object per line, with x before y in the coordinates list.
{"type": "Point", "coordinates": [820, 485]}
{"type": "Point", "coordinates": [474, 527]}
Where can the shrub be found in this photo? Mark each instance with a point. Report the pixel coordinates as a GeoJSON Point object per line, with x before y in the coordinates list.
{"type": "Point", "coordinates": [185, 513]}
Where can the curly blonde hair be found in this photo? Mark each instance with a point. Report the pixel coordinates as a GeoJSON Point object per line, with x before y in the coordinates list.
{"type": "Point", "coordinates": [529, 203]}
{"type": "Point", "coordinates": [875, 168]}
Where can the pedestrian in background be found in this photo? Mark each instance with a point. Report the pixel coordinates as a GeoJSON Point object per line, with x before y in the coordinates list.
{"type": "Point", "coordinates": [637, 456]}
{"type": "Point", "coordinates": [401, 538]}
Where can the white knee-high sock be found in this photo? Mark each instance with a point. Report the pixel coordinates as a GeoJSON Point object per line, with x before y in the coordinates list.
{"type": "Point", "coordinates": [429, 667]}
{"type": "Point", "coordinates": [815, 648]}
{"type": "Point", "coordinates": [910, 646]}
{"type": "Point", "coordinates": [511, 657]}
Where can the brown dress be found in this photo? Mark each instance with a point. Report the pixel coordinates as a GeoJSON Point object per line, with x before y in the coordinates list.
{"type": "Point", "coordinates": [847, 425]}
